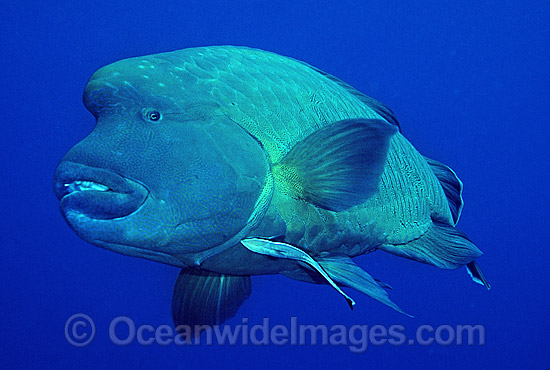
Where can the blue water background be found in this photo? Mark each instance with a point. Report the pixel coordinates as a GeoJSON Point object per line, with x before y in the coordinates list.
{"type": "Point", "coordinates": [469, 81]}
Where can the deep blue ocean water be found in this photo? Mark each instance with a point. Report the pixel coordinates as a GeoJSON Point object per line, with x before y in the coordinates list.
{"type": "Point", "coordinates": [469, 82]}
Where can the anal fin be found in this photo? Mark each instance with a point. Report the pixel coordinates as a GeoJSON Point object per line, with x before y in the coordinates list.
{"type": "Point", "coordinates": [443, 246]}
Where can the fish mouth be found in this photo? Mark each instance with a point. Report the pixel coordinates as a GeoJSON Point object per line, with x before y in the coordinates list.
{"type": "Point", "coordinates": [97, 193]}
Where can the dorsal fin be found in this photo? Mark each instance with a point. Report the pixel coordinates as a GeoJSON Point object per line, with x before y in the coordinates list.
{"type": "Point", "coordinates": [339, 165]}
{"type": "Point", "coordinates": [372, 103]}
{"type": "Point", "coordinates": [451, 184]}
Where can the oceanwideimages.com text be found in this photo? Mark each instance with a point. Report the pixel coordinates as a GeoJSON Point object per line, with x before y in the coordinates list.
{"type": "Point", "coordinates": [80, 331]}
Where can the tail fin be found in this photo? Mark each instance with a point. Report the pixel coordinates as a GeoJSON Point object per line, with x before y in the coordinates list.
{"type": "Point", "coordinates": [451, 184]}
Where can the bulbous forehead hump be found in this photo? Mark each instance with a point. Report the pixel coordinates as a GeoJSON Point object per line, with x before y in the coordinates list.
{"type": "Point", "coordinates": [177, 68]}
{"type": "Point", "coordinates": [161, 80]}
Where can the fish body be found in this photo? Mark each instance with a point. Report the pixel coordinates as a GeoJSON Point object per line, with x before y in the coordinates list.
{"type": "Point", "coordinates": [230, 162]}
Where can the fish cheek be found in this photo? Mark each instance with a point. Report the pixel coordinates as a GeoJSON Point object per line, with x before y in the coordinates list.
{"type": "Point", "coordinates": [217, 175]}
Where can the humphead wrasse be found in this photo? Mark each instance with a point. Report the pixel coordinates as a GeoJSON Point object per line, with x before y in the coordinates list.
{"type": "Point", "coordinates": [230, 162]}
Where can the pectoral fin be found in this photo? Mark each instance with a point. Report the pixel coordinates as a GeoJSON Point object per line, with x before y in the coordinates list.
{"type": "Point", "coordinates": [283, 250]}
{"type": "Point", "coordinates": [207, 298]}
{"type": "Point", "coordinates": [338, 166]}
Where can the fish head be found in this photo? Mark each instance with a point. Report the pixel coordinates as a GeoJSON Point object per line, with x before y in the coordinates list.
{"type": "Point", "coordinates": [165, 174]}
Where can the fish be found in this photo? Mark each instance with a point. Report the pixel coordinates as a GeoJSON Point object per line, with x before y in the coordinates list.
{"type": "Point", "coordinates": [229, 162]}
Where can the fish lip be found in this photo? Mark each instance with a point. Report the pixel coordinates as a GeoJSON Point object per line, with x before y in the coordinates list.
{"type": "Point", "coordinates": [123, 197]}
{"type": "Point", "coordinates": [68, 172]}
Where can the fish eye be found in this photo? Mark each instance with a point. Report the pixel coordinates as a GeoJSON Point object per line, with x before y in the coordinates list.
{"type": "Point", "coordinates": [151, 115]}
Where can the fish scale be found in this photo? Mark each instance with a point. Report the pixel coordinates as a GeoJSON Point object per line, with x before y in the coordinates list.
{"type": "Point", "coordinates": [300, 81]}
{"type": "Point", "coordinates": [404, 221]}
{"type": "Point", "coordinates": [230, 162]}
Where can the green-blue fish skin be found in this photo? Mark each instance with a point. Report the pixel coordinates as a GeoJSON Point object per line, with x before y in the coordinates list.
{"type": "Point", "coordinates": [199, 149]}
